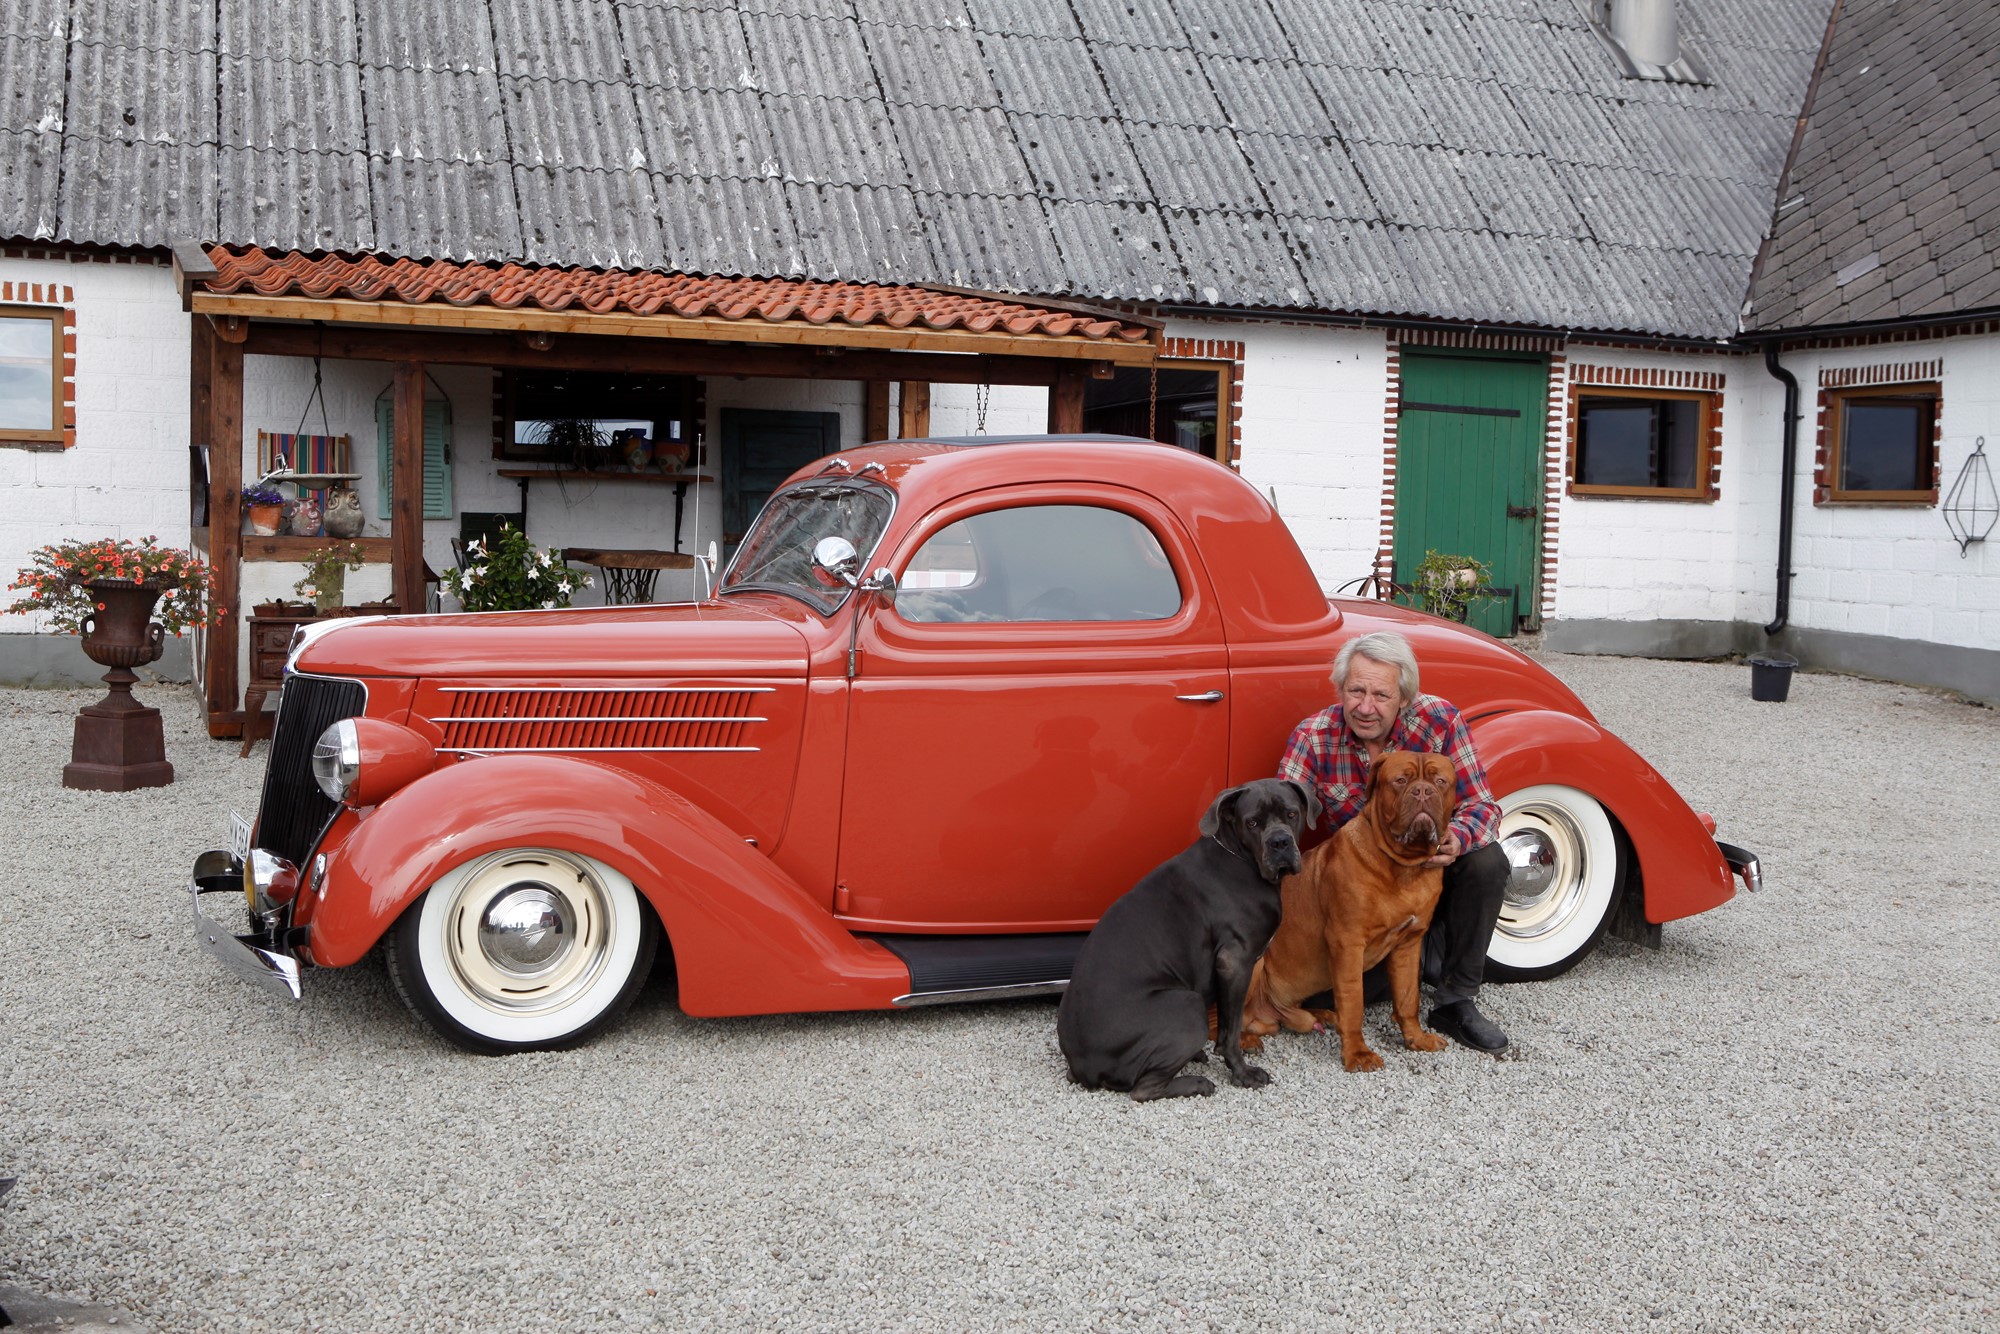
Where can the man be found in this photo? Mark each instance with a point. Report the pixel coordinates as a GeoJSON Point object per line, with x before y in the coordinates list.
{"type": "Point", "coordinates": [1379, 709]}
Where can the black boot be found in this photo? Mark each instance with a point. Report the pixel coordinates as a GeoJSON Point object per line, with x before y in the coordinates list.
{"type": "Point", "coordinates": [1462, 1022]}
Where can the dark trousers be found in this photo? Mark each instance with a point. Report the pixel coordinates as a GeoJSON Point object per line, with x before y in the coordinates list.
{"type": "Point", "coordinates": [1461, 928]}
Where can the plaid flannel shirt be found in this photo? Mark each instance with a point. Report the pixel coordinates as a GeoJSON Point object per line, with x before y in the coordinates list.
{"type": "Point", "coordinates": [1326, 757]}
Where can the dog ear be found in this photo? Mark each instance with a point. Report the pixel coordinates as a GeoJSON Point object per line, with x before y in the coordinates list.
{"type": "Point", "coordinates": [1310, 799]}
{"type": "Point", "coordinates": [1211, 820]}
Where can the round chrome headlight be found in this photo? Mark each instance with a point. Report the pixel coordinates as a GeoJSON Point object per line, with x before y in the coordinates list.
{"type": "Point", "coordinates": [337, 759]}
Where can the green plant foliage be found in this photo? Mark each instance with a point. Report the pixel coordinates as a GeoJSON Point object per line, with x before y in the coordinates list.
{"type": "Point", "coordinates": [510, 575]}
{"type": "Point", "coordinates": [57, 582]}
{"type": "Point", "coordinates": [1445, 584]}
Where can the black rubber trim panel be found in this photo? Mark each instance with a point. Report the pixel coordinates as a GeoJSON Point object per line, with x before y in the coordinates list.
{"type": "Point", "coordinates": [967, 963]}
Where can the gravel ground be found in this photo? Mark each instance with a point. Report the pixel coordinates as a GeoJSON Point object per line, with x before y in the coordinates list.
{"type": "Point", "coordinates": [1785, 1118]}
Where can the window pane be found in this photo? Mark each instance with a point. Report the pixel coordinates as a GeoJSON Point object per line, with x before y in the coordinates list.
{"type": "Point", "coordinates": [1680, 443]}
{"type": "Point", "coordinates": [27, 374]}
{"type": "Point", "coordinates": [1185, 405]}
{"type": "Point", "coordinates": [1885, 445]}
{"type": "Point", "coordinates": [1614, 442]}
{"type": "Point", "coordinates": [1041, 563]}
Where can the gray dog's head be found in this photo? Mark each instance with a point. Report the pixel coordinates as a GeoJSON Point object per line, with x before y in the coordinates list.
{"type": "Point", "coordinates": [1262, 821]}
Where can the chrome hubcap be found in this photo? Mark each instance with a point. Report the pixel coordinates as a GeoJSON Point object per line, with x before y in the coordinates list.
{"type": "Point", "coordinates": [528, 930]}
{"type": "Point", "coordinates": [1548, 869]}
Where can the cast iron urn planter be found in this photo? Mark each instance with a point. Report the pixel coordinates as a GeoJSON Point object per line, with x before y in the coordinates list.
{"type": "Point", "coordinates": [119, 743]}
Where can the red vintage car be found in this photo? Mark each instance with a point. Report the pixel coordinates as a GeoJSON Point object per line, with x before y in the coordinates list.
{"type": "Point", "coordinates": [948, 701]}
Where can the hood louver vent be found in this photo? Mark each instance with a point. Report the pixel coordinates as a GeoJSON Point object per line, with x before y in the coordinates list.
{"type": "Point", "coordinates": [637, 718]}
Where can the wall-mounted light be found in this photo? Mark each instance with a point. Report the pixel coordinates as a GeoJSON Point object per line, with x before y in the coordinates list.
{"type": "Point", "coordinates": [1972, 505]}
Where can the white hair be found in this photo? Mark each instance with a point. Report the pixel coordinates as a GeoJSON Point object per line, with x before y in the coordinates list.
{"type": "Point", "coordinates": [1385, 647]}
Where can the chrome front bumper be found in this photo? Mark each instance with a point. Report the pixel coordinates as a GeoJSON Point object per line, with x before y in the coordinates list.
{"type": "Point", "coordinates": [257, 959]}
{"type": "Point", "coordinates": [1744, 863]}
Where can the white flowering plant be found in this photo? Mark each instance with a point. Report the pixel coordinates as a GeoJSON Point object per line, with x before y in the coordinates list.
{"type": "Point", "coordinates": [508, 574]}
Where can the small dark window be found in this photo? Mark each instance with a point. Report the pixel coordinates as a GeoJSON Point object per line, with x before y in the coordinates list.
{"type": "Point", "coordinates": [1185, 404]}
{"type": "Point", "coordinates": [1882, 444]}
{"type": "Point", "coordinates": [31, 378]}
{"type": "Point", "coordinates": [577, 418]}
{"type": "Point", "coordinates": [1641, 444]}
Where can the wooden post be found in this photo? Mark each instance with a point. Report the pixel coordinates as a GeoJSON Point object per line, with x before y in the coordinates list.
{"type": "Point", "coordinates": [217, 418]}
{"type": "Point", "coordinates": [1066, 402]}
{"type": "Point", "coordinates": [406, 489]}
{"type": "Point", "coordinates": [916, 422]}
{"type": "Point", "coordinates": [875, 416]}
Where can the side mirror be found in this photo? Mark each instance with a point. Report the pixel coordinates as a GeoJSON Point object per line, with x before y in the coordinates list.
{"type": "Point", "coordinates": [835, 563]}
{"type": "Point", "coordinates": [882, 584]}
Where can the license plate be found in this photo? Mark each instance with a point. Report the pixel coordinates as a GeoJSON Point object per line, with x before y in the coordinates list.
{"type": "Point", "coordinates": [239, 837]}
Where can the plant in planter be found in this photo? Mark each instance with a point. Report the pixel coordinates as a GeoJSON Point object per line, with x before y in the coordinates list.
{"type": "Point", "coordinates": [106, 591]}
{"type": "Point", "coordinates": [508, 574]}
{"type": "Point", "coordinates": [326, 575]}
{"type": "Point", "coordinates": [1445, 584]}
{"type": "Point", "coordinates": [266, 507]}
{"type": "Point", "coordinates": [576, 442]}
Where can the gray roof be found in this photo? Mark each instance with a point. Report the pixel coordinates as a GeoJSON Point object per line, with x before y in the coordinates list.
{"type": "Point", "coordinates": [1888, 208]}
{"type": "Point", "coordinates": [1478, 160]}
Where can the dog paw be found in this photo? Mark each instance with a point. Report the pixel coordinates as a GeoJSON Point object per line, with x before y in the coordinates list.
{"type": "Point", "coordinates": [1361, 1061]}
{"type": "Point", "coordinates": [1253, 1042]}
{"type": "Point", "coordinates": [1424, 1042]}
{"type": "Point", "coordinates": [1251, 1077]}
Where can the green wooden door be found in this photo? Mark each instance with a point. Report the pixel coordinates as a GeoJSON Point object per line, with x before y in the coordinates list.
{"type": "Point", "coordinates": [1468, 473]}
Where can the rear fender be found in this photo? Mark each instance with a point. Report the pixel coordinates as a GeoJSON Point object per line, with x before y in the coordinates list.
{"type": "Point", "coordinates": [1681, 868]}
{"type": "Point", "coordinates": [747, 939]}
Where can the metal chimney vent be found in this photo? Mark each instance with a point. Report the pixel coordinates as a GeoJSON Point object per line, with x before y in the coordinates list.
{"type": "Point", "coordinates": [1644, 39]}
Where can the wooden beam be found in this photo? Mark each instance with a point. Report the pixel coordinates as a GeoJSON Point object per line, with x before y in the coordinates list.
{"type": "Point", "coordinates": [644, 356]}
{"type": "Point", "coordinates": [220, 364]}
{"type": "Point", "coordinates": [231, 328]}
{"type": "Point", "coordinates": [1066, 402]}
{"type": "Point", "coordinates": [406, 487]}
{"type": "Point", "coordinates": [192, 268]}
{"type": "Point", "coordinates": [792, 333]}
{"type": "Point", "coordinates": [916, 419]}
{"type": "Point", "coordinates": [875, 411]}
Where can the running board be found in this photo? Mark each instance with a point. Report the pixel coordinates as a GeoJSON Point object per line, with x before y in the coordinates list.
{"type": "Point", "coordinates": [946, 970]}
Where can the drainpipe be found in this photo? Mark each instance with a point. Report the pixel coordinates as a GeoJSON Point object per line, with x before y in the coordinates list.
{"type": "Point", "coordinates": [1785, 488]}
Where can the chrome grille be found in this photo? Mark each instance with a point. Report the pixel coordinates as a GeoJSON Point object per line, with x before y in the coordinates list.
{"type": "Point", "coordinates": [589, 718]}
{"type": "Point", "coordinates": [294, 812]}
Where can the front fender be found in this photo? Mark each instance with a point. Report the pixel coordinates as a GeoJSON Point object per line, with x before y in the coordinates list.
{"type": "Point", "coordinates": [746, 938]}
{"type": "Point", "coordinates": [1679, 863]}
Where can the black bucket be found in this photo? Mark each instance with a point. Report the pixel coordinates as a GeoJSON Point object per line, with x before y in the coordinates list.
{"type": "Point", "coordinates": [1771, 676]}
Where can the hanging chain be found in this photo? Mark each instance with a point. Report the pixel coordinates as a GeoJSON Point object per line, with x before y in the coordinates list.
{"type": "Point", "coordinates": [318, 392]}
{"type": "Point", "coordinates": [1153, 402]}
{"type": "Point", "coordinates": [981, 397]}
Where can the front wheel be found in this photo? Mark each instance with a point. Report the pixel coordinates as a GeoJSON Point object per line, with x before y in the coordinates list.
{"type": "Point", "coordinates": [1564, 875]}
{"type": "Point", "coordinates": [523, 949]}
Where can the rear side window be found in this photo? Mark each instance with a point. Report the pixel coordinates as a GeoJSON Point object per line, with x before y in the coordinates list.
{"type": "Point", "coordinates": [1041, 563]}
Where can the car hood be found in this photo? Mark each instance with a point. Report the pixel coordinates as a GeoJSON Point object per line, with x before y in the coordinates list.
{"type": "Point", "coordinates": [706, 638]}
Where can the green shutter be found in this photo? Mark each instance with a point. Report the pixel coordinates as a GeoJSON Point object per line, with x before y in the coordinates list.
{"type": "Point", "coordinates": [437, 457]}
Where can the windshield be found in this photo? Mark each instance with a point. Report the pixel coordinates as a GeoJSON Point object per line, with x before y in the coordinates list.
{"type": "Point", "coordinates": [777, 553]}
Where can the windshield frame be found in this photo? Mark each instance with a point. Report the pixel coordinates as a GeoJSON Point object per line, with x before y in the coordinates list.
{"type": "Point", "coordinates": [824, 600]}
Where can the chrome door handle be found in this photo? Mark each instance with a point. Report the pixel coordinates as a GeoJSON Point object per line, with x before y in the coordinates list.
{"type": "Point", "coordinates": [1205, 697]}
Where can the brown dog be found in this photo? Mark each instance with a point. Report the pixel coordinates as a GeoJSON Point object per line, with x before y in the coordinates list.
{"type": "Point", "coordinates": [1363, 896]}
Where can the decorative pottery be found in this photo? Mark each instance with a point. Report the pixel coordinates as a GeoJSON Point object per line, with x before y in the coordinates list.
{"type": "Point", "coordinates": [306, 519]}
{"type": "Point", "coordinates": [343, 517]}
{"type": "Point", "coordinates": [671, 454]}
{"type": "Point", "coordinates": [265, 520]}
{"type": "Point", "coordinates": [119, 744]}
{"type": "Point", "coordinates": [635, 448]}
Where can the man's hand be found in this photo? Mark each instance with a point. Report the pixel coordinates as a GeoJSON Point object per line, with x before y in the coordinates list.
{"type": "Point", "coordinates": [1447, 852]}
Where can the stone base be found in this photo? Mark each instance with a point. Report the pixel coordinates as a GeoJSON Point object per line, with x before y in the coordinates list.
{"type": "Point", "coordinates": [119, 745]}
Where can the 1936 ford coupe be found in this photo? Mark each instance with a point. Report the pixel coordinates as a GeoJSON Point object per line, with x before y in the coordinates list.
{"type": "Point", "coordinates": [947, 702]}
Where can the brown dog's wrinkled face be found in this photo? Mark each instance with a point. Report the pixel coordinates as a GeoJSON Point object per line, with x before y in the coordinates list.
{"type": "Point", "coordinates": [1412, 795]}
{"type": "Point", "coordinates": [1262, 821]}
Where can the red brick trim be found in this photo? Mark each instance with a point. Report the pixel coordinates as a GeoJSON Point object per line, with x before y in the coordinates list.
{"type": "Point", "coordinates": [51, 295]}
{"type": "Point", "coordinates": [1216, 349]}
{"type": "Point", "coordinates": [1392, 398]}
{"type": "Point", "coordinates": [1970, 327]}
{"type": "Point", "coordinates": [1482, 341]}
{"type": "Point", "coordinates": [1902, 372]}
{"type": "Point", "coordinates": [1711, 383]}
{"type": "Point", "coordinates": [1553, 476]}
{"type": "Point", "coordinates": [1650, 377]}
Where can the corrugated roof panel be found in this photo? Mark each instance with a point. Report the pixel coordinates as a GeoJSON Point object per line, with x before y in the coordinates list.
{"type": "Point", "coordinates": [602, 219]}
{"type": "Point", "coordinates": [1079, 159]}
{"type": "Point", "coordinates": [1538, 53]}
{"type": "Point", "coordinates": [286, 104]}
{"type": "Point", "coordinates": [1198, 169]}
{"type": "Point", "coordinates": [163, 96]}
{"type": "Point", "coordinates": [1266, 96]}
{"type": "Point", "coordinates": [1332, 32]}
{"type": "Point", "coordinates": [877, 233]}
{"type": "Point", "coordinates": [1621, 206]}
{"type": "Point", "coordinates": [950, 151]}
{"type": "Point", "coordinates": [914, 13]}
{"type": "Point", "coordinates": [1118, 248]}
{"type": "Point", "coordinates": [142, 194]}
{"type": "Point", "coordinates": [30, 167]}
{"type": "Point", "coordinates": [567, 125]}
{"type": "Point", "coordinates": [574, 39]}
{"type": "Point", "coordinates": [932, 67]}
{"type": "Point", "coordinates": [996, 243]}
{"type": "Point", "coordinates": [1464, 275]}
{"type": "Point", "coordinates": [447, 209]}
{"type": "Point", "coordinates": [1591, 125]}
{"type": "Point", "coordinates": [419, 34]}
{"type": "Point", "coordinates": [300, 201]}
{"type": "Point", "coordinates": [1309, 177]}
{"type": "Point", "coordinates": [1022, 18]}
{"type": "Point", "coordinates": [1245, 254]}
{"type": "Point", "coordinates": [35, 18]}
{"type": "Point", "coordinates": [1430, 40]}
{"type": "Point", "coordinates": [829, 141]}
{"type": "Point", "coordinates": [815, 56]}
{"type": "Point", "coordinates": [434, 115]}
{"type": "Point", "coordinates": [685, 48]}
{"type": "Point", "coordinates": [1773, 27]}
{"type": "Point", "coordinates": [1520, 195]}
{"type": "Point", "coordinates": [31, 84]}
{"type": "Point", "coordinates": [1352, 266]}
{"type": "Point", "coordinates": [1378, 106]}
{"type": "Point", "coordinates": [1131, 22]}
{"type": "Point", "coordinates": [724, 226]}
{"type": "Point", "coordinates": [1233, 30]}
{"type": "Point", "coordinates": [1164, 87]}
{"type": "Point", "coordinates": [313, 31]}
{"type": "Point", "coordinates": [1474, 115]}
{"type": "Point", "coordinates": [153, 27]}
{"type": "Point", "coordinates": [1417, 187]}
{"type": "Point", "coordinates": [806, 9]}
{"type": "Point", "coordinates": [1039, 76]}
{"type": "Point", "coordinates": [701, 132]}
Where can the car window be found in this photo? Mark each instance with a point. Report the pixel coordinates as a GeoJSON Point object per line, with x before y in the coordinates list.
{"type": "Point", "coordinates": [777, 552]}
{"type": "Point", "coordinates": [1040, 563]}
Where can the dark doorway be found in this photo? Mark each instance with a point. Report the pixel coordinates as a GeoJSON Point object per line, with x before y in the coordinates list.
{"type": "Point", "coordinates": [760, 449]}
{"type": "Point", "coordinates": [1185, 407]}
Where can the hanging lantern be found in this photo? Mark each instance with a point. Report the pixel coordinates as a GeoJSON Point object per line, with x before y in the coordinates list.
{"type": "Point", "coordinates": [1972, 505]}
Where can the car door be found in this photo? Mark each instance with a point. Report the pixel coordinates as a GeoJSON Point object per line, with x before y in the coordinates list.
{"type": "Point", "coordinates": [1039, 719]}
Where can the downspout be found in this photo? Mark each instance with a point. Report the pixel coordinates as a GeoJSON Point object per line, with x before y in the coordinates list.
{"type": "Point", "coordinates": [1785, 487]}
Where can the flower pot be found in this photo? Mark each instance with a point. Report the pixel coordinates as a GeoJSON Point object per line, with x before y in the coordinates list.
{"type": "Point", "coordinates": [1771, 677]}
{"type": "Point", "coordinates": [119, 744]}
{"type": "Point", "coordinates": [329, 590]}
{"type": "Point", "coordinates": [265, 520]}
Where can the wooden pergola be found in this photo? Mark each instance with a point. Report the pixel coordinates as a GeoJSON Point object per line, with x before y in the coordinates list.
{"type": "Point", "coordinates": [415, 314]}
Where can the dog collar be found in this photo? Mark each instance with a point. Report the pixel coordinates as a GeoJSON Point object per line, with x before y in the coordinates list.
{"type": "Point", "coordinates": [1225, 847]}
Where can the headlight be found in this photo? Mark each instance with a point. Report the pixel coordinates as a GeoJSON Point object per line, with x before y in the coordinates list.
{"type": "Point", "coordinates": [337, 759]}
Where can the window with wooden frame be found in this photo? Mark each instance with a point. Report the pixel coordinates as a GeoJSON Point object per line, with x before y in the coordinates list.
{"type": "Point", "coordinates": [31, 375]}
{"type": "Point", "coordinates": [1186, 404]}
{"type": "Point", "coordinates": [1881, 444]}
{"type": "Point", "coordinates": [1648, 443]}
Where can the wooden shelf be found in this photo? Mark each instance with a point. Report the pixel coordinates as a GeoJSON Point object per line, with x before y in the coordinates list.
{"type": "Point", "coordinates": [374, 550]}
{"type": "Point", "coordinates": [587, 475]}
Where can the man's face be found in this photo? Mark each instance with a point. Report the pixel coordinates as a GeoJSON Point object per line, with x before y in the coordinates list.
{"type": "Point", "coordinates": [1371, 699]}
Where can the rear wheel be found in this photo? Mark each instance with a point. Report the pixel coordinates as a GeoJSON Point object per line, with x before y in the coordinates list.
{"type": "Point", "coordinates": [523, 949]}
{"type": "Point", "coordinates": [1565, 873]}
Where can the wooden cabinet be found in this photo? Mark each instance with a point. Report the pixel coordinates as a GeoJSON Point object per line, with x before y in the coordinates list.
{"type": "Point", "coordinates": [270, 639]}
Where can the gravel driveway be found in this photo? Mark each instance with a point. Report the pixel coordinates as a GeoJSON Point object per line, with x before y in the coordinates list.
{"type": "Point", "coordinates": [1785, 1118]}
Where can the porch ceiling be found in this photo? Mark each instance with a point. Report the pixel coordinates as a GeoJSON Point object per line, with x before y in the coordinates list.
{"type": "Point", "coordinates": [251, 283]}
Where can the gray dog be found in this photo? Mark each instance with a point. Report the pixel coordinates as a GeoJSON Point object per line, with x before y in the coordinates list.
{"type": "Point", "coordinates": [1180, 940]}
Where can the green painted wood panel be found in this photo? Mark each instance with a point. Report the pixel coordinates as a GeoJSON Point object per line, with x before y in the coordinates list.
{"type": "Point", "coordinates": [1468, 448]}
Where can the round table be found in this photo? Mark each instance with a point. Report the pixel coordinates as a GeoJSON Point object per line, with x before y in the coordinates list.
{"type": "Point", "coordinates": [629, 573]}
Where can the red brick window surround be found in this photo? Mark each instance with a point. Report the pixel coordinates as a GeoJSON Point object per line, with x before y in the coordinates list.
{"type": "Point", "coordinates": [1644, 433]}
{"type": "Point", "coordinates": [37, 366]}
{"type": "Point", "coordinates": [1879, 432]}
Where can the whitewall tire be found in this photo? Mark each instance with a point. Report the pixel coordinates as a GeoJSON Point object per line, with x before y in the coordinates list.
{"type": "Point", "coordinates": [1564, 877]}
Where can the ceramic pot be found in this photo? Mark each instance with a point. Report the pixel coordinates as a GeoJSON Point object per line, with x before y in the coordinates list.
{"type": "Point", "coordinates": [265, 520]}
{"type": "Point", "coordinates": [343, 517]}
{"type": "Point", "coordinates": [330, 590]}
